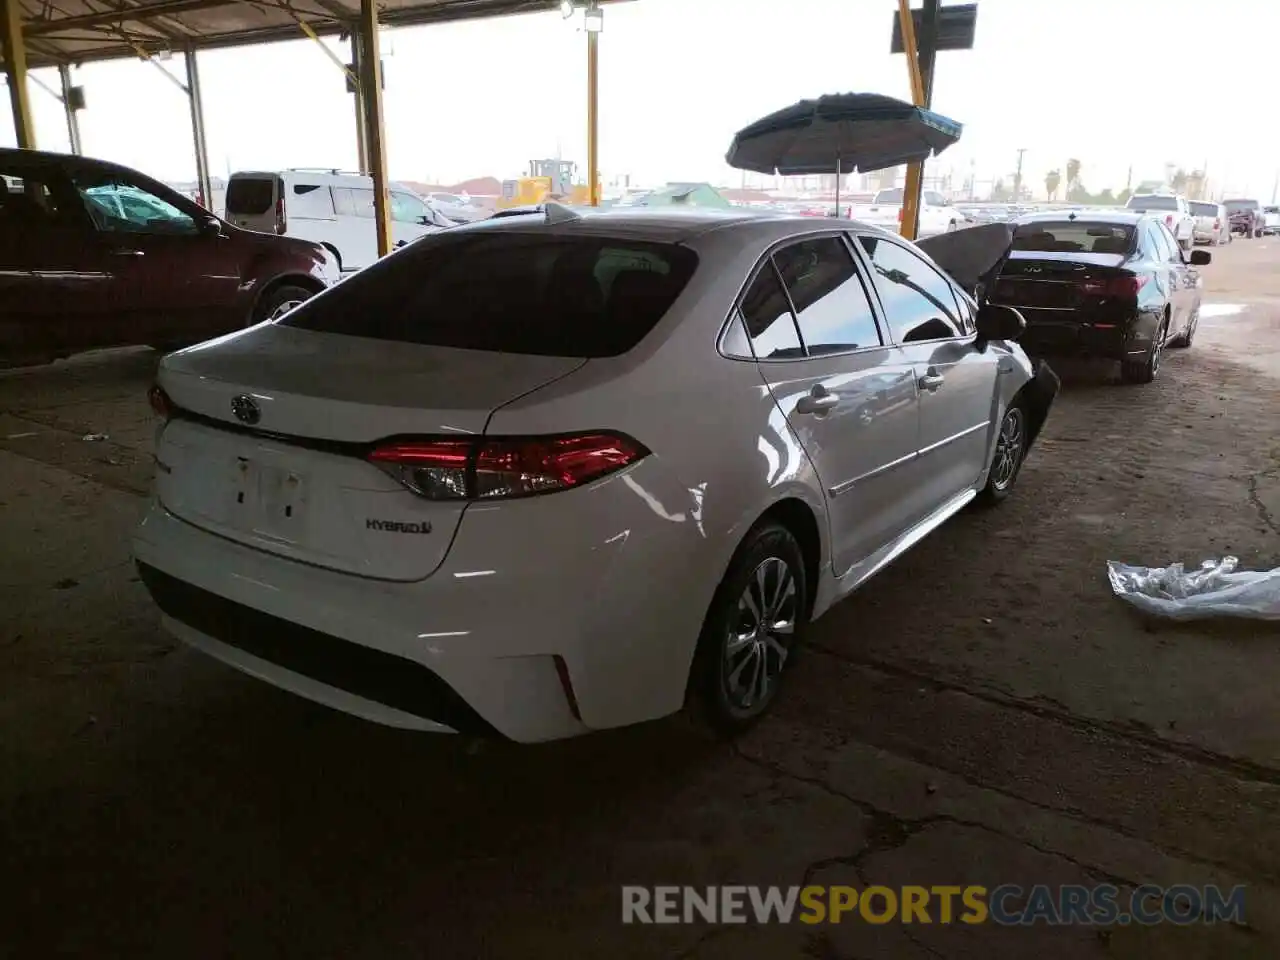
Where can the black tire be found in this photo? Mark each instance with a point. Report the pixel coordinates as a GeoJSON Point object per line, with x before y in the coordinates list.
{"type": "Point", "coordinates": [275, 300]}
{"type": "Point", "coordinates": [733, 647]}
{"type": "Point", "coordinates": [1006, 460]}
{"type": "Point", "coordinates": [1148, 368]}
{"type": "Point", "coordinates": [1184, 342]}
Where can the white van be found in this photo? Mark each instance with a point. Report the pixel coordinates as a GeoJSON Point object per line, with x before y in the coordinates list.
{"type": "Point", "coordinates": [328, 207]}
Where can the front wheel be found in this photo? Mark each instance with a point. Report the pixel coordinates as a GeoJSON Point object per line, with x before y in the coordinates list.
{"type": "Point", "coordinates": [1184, 341]}
{"type": "Point", "coordinates": [755, 622]}
{"type": "Point", "coordinates": [1011, 450]}
{"type": "Point", "coordinates": [279, 301]}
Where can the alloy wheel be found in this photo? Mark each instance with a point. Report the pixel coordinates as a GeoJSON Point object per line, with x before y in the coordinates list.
{"type": "Point", "coordinates": [1008, 449]}
{"type": "Point", "coordinates": [760, 634]}
{"type": "Point", "coordinates": [282, 308]}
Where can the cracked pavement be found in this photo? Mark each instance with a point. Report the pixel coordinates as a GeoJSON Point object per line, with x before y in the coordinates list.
{"type": "Point", "coordinates": [983, 712]}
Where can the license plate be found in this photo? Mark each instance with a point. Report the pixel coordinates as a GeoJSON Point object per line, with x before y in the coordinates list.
{"type": "Point", "coordinates": [268, 500]}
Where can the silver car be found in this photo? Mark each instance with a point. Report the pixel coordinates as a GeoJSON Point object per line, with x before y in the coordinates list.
{"type": "Point", "coordinates": [548, 473]}
{"type": "Point", "coordinates": [1212, 226]}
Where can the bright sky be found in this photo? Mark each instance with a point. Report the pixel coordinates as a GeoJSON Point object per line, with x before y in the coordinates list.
{"type": "Point", "coordinates": [1112, 82]}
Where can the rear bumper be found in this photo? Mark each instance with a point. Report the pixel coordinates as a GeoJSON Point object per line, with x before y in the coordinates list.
{"type": "Point", "coordinates": [1082, 338]}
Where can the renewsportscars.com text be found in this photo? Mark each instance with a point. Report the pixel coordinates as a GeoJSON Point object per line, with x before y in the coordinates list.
{"type": "Point", "coordinates": [1006, 905]}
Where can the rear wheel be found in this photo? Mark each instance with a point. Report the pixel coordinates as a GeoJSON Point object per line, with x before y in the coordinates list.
{"type": "Point", "coordinates": [756, 619]}
{"type": "Point", "coordinates": [279, 301]}
{"type": "Point", "coordinates": [1148, 368]}
{"type": "Point", "coordinates": [1184, 341]}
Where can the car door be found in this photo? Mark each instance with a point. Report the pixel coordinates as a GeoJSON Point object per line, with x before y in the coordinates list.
{"type": "Point", "coordinates": [849, 396]}
{"type": "Point", "coordinates": [1173, 268]}
{"type": "Point", "coordinates": [357, 238]}
{"type": "Point", "coordinates": [957, 382]}
{"type": "Point", "coordinates": [181, 278]}
{"type": "Point", "coordinates": [411, 218]}
{"type": "Point", "coordinates": [60, 290]}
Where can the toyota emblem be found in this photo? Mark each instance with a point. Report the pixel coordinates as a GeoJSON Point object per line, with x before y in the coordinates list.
{"type": "Point", "coordinates": [246, 409]}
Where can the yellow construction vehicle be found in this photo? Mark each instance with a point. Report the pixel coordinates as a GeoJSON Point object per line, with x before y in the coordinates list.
{"type": "Point", "coordinates": [546, 180]}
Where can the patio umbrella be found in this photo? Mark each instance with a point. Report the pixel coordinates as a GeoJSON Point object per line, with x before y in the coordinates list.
{"type": "Point", "coordinates": [841, 132]}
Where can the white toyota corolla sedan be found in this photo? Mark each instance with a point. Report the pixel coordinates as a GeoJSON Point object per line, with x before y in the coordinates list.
{"type": "Point", "coordinates": [560, 472]}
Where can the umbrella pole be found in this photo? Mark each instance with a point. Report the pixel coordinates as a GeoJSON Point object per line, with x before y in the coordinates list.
{"type": "Point", "coordinates": [837, 185]}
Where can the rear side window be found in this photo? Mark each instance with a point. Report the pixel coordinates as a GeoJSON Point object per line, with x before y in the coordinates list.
{"type": "Point", "coordinates": [832, 308]}
{"type": "Point", "coordinates": [250, 196]}
{"type": "Point", "coordinates": [766, 311]}
{"type": "Point", "coordinates": [509, 292]}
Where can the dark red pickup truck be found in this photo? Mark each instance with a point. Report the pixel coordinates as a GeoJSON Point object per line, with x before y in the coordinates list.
{"type": "Point", "coordinates": [1245, 216]}
{"type": "Point", "coordinates": [97, 255]}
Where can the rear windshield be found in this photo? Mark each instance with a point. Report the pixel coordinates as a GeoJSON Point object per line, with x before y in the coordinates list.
{"type": "Point", "coordinates": [893, 195]}
{"type": "Point", "coordinates": [250, 195]}
{"type": "Point", "coordinates": [1153, 203]}
{"type": "Point", "coordinates": [1204, 209]}
{"type": "Point", "coordinates": [509, 292]}
{"type": "Point", "coordinates": [1234, 205]}
{"type": "Point", "coordinates": [1074, 237]}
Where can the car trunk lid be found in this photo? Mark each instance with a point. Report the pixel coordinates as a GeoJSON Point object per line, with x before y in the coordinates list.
{"type": "Point", "coordinates": [273, 425]}
{"type": "Point", "coordinates": [1063, 281]}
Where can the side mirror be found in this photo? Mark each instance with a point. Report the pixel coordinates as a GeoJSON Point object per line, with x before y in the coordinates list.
{"type": "Point", "coordinates": [1200, 258]}
{"type": "Point", "coordinates": [210, 227]}
{"type": "Point", "coordinates": [998, 322]}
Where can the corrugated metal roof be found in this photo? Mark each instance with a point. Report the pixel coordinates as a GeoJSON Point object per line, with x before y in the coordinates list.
{"type": "Point", "coordinates": [81, 31]}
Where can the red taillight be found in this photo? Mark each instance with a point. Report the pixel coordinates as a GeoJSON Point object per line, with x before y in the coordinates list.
{"type": "Point", "coordinates": [501, 468]}
{"type": "Point", "coordinates": [1115, 286]}
{"type": "Point", "coordinates": [281, 223]}
{"type": "Point", "coordinates": [1168, 219]}
{"type": "Point", "coordinates": [1217, 224]}
{"type": "Point", "coordinates": [160, 402]}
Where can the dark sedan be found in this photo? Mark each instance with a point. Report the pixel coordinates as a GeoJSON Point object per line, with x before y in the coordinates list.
{"type": "Point", "coordinates": [97, 255]}
{"type": "Point", "coordinates": [1113, 285]}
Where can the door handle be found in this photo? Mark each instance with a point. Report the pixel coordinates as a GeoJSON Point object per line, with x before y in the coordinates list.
{"type": "Point", "coordinates": [931, 381]}
{"type": "Point", "coordinates": [127, 253]}
{"type": "Point", "coordinates": [818, 403]}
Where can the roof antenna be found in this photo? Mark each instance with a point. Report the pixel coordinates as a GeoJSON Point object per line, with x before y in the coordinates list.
{"type": "Point", "coordinates": [559, 213]}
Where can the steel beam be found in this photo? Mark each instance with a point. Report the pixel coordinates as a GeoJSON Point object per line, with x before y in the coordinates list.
{"type": "Point", "coordinates": [197, 129]}
{"type": "Point", "coordinates": [150, 11]}
{"type": "Point", "coordinates": [73, 122]}
{"type": "Point", "coordinates": [13, 47]}
{"type": "Point", "coordinates": [375, 134]}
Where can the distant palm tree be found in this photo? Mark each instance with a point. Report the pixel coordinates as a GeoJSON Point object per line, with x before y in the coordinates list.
{"type": "Point", "coordinates": [1179, 181]}
{"type": "Point", "coordinates": [1052, 180]}
{"type": "Point", "coordinates": [1073, 175]}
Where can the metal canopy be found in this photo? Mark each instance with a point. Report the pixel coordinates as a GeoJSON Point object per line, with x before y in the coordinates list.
{"type": "Point", "coordinates": [83, 31]}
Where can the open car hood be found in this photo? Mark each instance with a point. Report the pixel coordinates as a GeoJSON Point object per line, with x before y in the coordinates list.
{"type": "Point", "coordinates": [972, 254]}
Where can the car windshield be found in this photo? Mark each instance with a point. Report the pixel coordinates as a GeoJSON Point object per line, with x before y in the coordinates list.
{"type": "Point", "coordinates": [1204, 209]}
{"type": "Point", "coordinates": [509, 292]}
{"type": "Point", "coordinates": [1152, 202]}
{"type": "Point", "coordinates": [1073, 237]}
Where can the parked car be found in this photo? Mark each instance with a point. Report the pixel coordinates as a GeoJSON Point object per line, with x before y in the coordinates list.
{"type": "Point", "coordinates": [1271, 220]}
{"type": "Point", "coordinates": [1112, 285]}
{"type": "Point", "coordinates": [448, 509]}
{"type": "Point", "coordinates": [1246, 217]}
{"type": "Point", "coordinates": [330, 208]}
{"type": "Point", "coordinates": [1213, 226]}
{"type": "Point", "coordinates": [456, 208]}
{"type": "Point", "coordinates": [936, 214]}
{"type": "Point", "coordinates": [1173, 209]}
{"type": "Point", "coordinates": [98, 255]}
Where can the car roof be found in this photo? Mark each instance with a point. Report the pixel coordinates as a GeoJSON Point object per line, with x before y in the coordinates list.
{"type": "Point", "coordinates": [1117, 216]}
{"type": "Point", "coordinates": [660, 224]}
{"type": "Point", "coordinates": [65, 161]}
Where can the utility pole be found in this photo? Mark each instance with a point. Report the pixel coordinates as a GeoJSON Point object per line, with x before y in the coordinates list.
{"type": "Point", "coordinates": [1275, 186]}
{"type": "Point", "coordinates": [1017, 177]}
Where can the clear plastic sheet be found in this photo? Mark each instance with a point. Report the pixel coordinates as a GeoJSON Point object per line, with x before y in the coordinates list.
{"type": "Point", "coordinates": [1216, 589]}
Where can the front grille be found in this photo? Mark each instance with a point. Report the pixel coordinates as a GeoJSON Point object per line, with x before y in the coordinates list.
{"type": "Point", "coordinates": [372, 674]}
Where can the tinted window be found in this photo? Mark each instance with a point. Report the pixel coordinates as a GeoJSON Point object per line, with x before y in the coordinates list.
{"type": "Point", "coordinates": [31, 199]}
{"type": "Point", "coordinates": [1237, 205]}
{"type": "Point", "coordinates": [250, 196]}
{"type": "Point", "coordinates": [1073, 236]}
{"type": "Point", "coordinates": [1204, 209]}
{"type": "Point", "coordinates": [767, 315]}
{"type": "Point", "coordinates": [832, 307]}
{"type": "Point", "coordinates": [1151, 202]}
{"type": "Point", "coordinates": [918, 302]}
{"type": "Point", "coordinates": [508, 292]}
{"type": "Point", "coordinates": [891, 195]}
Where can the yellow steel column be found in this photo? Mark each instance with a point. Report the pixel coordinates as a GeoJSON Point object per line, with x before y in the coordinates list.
{"type": "Point", "coordinates": [911, 190]}
{"type": "Point", "coordinates": [375, 135]}
{"type": "Point", "coordinates": [593, 116]}
{"type": "Point", "coordinates": [15, 62]}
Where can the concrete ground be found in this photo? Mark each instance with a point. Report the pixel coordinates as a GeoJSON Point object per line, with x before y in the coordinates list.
{"type": "Point", "coordinates": [984, 712]}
